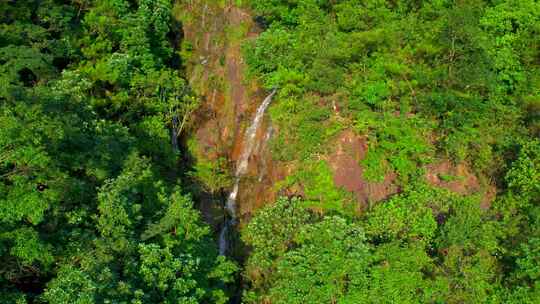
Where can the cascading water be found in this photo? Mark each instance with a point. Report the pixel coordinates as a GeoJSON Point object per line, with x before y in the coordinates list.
{"type": "Point", "coordinates": [241, 169]}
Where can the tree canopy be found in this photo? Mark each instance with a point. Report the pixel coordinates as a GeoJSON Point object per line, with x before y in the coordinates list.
{"type": "Point", "coordinates": [100, 199]}
{"type": "Point", "coordinates": [92, 207]}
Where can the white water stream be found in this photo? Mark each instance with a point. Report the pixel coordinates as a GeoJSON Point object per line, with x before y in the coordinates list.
{"type": "Point", "coordinates": [241, 169]}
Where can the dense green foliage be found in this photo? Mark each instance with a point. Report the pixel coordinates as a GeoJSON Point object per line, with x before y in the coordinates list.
{"type": "Point", "coordinates": [426, 245]}
{"type": "Point", "coordinates": [89, 210]}
{"type": "Point", "coordinates": [97, 200]}
{"type": "Point", "coordinates": [423, 80]}
{"type": "Point", "coordinates": [455, 77]}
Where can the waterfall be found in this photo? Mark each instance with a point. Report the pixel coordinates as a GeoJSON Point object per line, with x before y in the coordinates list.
{"type": "Point", "coordinates": [241, 169]}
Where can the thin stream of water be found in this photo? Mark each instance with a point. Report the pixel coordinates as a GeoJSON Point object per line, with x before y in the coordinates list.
{"type": "Point", "coordinates": [241, 169]}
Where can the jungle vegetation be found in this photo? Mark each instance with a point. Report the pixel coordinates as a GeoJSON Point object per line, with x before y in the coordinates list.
{"type": "Point", "coordinates": [93, 207]}
{"type": "Point", "coordinates": [98, 202]}
{"type": "Point", "coordinates": [424, 81]}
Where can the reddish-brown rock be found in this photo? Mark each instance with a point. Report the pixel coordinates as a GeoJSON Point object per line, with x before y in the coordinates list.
{"type": "Point", "coordinates": [345, 161]}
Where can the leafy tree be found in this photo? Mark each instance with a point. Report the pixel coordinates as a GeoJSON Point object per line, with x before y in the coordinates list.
{"type": "Point", "coordinates": [292, 254]}
{"type": "Point", "coordinates": [330, 255]}
{"type": "Point", "coordinates": [520, 215]}
{"type": "Point", "coordinates": [89, 211]}
{"type": "Point", "coordinates": [166, 253]}
{"type": "Point", "coordinates": [270, 233]}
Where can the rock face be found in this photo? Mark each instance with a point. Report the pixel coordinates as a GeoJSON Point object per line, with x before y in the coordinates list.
{"type": "Point", "coordinates": [348, 173]}
{"type": "Point", "coordinates": [216, 71]}
{"type": "Point", "coordinates": [457, 178]}
{"type": "Point", "coordinates": [460, 179]}
{"type": "Point", "coordinates": [351, 149]}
